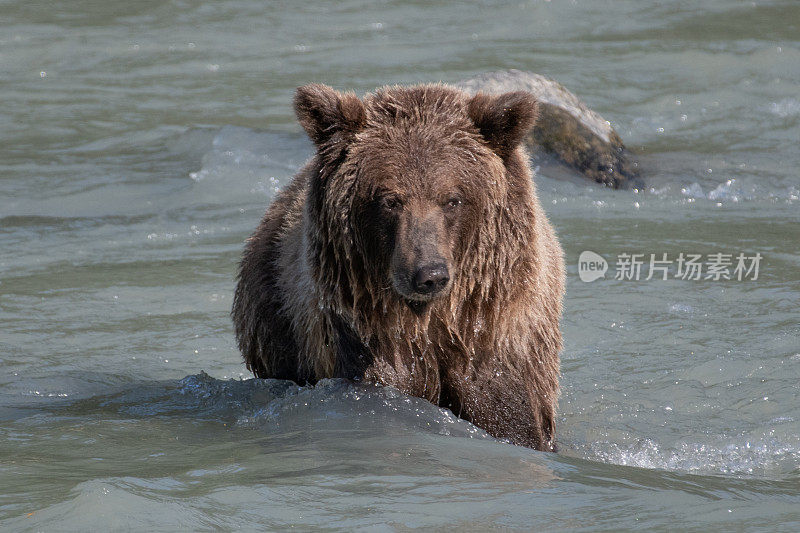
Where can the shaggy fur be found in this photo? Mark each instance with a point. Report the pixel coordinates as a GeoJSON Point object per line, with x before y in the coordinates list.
{"type": "Point", "coordinates": [408, 178]}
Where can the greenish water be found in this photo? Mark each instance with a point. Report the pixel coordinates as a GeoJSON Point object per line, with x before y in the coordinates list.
{"type": "Point", "coordinates": [140, 143]}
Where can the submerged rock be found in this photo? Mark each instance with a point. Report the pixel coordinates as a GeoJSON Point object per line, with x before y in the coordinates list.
{"type": "Point", "coordinates": [566, 128]}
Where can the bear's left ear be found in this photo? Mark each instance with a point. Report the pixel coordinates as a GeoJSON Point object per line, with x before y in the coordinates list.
{"type": "Point", "coordinates": [505, 119]}
{"type": "Point", "coordinates": [326, 115]}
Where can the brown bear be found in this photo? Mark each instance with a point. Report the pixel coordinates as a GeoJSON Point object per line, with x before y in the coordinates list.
{"type": "Point", "coordinates": [412, 251]}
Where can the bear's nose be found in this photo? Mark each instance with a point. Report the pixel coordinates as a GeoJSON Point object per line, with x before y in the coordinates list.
{"type": "Point", "coordinates": [431, 278]}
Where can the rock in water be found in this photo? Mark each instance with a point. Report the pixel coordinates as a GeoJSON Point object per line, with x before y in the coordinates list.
{"type": "Point", "coordinates": [568, 129]}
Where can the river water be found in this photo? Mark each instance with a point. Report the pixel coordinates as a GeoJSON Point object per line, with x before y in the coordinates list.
{"type": "Point", "coordinates": [140, 143]}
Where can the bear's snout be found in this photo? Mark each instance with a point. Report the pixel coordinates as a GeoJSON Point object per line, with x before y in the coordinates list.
{"type": "Point", "coordinates": [422, 259]}
{"type": "Point", "coordinates": [422, 281]}
{"type": "Point", "coordinates": [431, 279]}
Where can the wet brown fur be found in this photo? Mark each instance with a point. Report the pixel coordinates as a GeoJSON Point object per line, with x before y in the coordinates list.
{"type": "Point", "coordinates": [318, 293]}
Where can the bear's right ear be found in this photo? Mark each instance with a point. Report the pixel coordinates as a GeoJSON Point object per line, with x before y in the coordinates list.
{"type": "Point", "coordinates": [328, 116]}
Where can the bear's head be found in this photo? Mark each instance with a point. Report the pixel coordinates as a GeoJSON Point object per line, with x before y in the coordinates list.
{"type": "Point", "coordinates": [410, 189]}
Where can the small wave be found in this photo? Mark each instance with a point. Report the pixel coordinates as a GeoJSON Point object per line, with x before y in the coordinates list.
{"type": "Point", "coordinates": [680, 308]}
{"type": "Point", "coordinates": [735, 190]}
{"type": "Point", "coordinates": [788, 107]}
{"type": "Point", "coordinates": [237, 151]}
{"type": "Point", "coordinates": [271, 404]}
{"type": "Point", "coordinates": [739, 457]}
{"type": "Point", "coordinates": [729, 191]}
{"type": "Point", "coordinates": [339, 401]}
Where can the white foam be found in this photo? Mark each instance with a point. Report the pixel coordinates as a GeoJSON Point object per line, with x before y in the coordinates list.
{"type": "Point", "coordinates": [740, 456]}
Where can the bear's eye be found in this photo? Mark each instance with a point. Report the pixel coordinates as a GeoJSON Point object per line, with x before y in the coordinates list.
{"type": "Point", "coordinates": [453, 202]}
{"type": "Point", "coordinates": [392, 203]}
